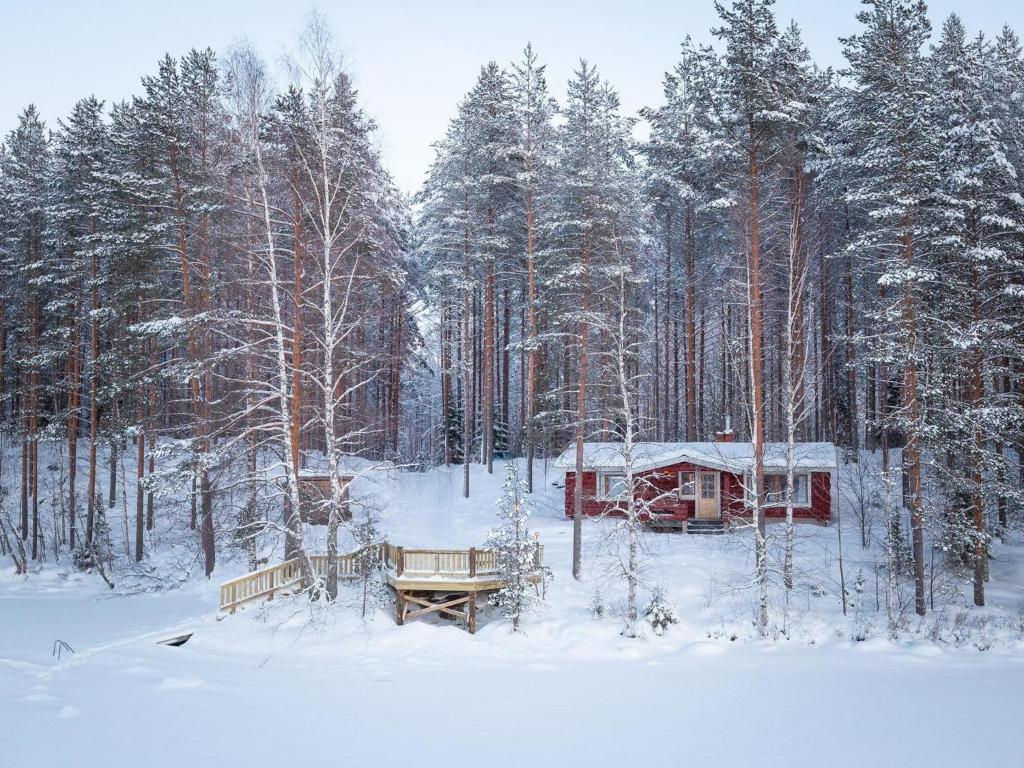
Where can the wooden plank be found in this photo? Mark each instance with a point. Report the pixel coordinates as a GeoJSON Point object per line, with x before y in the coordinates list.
{"type": "Point", "coordinates": [445, 607]}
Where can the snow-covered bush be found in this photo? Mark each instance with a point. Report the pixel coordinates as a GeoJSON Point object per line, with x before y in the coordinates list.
{"type": "Point", "coordinates": [598, 609]}
{"type": "Point", "coordinates": [660, 613]}
{"type": "Point", "coordinates": [373, 590]}
{"type": "Point", "coordinates": [516, 552]}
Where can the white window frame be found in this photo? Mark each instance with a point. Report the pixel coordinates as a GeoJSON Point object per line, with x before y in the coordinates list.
{"type": "Point", "coordinates": [797, 502]}
{"type": "Point", "coordinates": [679, 485]}
{"type": "Point", "coordinates": [602, 486]}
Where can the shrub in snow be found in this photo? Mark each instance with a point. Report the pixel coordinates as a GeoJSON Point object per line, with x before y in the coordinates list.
{"type": "Point", "coordinates": [81, 558]}
{"type": "Point", "coordinates": [516, 553]}
{"type": "Point", "coordinates": [660, 613]}
{"type": "Point", "coordinates": [367, 564]}
{"type": "Point", "coordinates": [597, 607]}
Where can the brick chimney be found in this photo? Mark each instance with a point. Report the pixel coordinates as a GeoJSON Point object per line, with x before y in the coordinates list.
{"type": "Point", "coordinates": [726, 435]}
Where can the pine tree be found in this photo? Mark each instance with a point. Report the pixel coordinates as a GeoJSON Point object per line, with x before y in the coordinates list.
{"type": "Point", "coordinates": [753, 110]}
{"type": "Point", "coordinates": [595, 209]}
{"type": "Point", "coordinates": [515, 551]}
{"type": "Point", "coordinates": [683, 185]}
{"type": "Point", "coordinates": [893, 140]}
{"type": "Point", "coordinates": [27, 170]}
{"type": "Point", "coordinates": [77, 195]}
{"type": "Point", "coordinates": [978, 210]}
{"type": "Point", "coordinates": [534, 110]}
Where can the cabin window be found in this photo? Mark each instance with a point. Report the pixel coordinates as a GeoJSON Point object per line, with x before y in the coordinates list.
{"type": "Point", "coordinates": [687, 485]}
{"type": "Point", "coordinates": [614, 486]}
{"type": "Point", "coordinates": [708, 485]}
{"type": "Point", "coordinates": [775, 489]}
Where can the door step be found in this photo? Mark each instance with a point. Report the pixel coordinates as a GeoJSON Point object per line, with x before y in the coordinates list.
{"type": "Point", "coordinates": [707, 527]}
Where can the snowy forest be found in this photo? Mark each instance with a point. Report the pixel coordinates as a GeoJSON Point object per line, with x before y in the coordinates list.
{"type": "Point", "coordinates": [249, 383]}
{"type": "Point", "coordinates": [210, 286]}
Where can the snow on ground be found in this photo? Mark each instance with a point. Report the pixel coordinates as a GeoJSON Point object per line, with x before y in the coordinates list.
{"type": "Point", "coordinates": [284, 681]}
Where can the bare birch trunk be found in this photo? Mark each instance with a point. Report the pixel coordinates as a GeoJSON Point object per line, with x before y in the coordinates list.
{"type": "Point", "coordinates": [757, 389]}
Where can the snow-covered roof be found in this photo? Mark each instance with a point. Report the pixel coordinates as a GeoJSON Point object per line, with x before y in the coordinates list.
{"type": "Point", "coordinates": [728, 457]}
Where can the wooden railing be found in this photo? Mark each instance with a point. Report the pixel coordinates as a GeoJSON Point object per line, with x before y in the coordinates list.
{"type": "Point", "coordinates": [399, 561]}
{"type": "Point", "coordinates": [259, 584]}
{"type": "Point", "coordinates": [266, 582]}
{"type": "Point", "coordinates": [462, 563]}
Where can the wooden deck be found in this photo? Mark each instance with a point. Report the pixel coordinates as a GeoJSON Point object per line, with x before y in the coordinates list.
{"type": "Point", "coordinates": [444, 581]}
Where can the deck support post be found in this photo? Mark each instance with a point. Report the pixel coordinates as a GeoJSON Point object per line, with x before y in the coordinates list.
{"type": "Point", "coordinates": [399, 608]}
{"type": "Point", "coordinates": [400, 564]}
{"type": "Point", "coordinates": [472, 613]}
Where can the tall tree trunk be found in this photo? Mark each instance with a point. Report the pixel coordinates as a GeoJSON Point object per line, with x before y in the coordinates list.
{"type": "Point", "coordinates": [659, 432]}
{"type": "Point", "coordinates": [446, 386]}
{"type": "Point", "coordinates": [825, 373]}
{"type": "Point", "coordinates": [691, 330]}
{"type": "Point", "coordinates": [487, 438]}
{"type": "Point", "coordinates": [74, 400]}
{"type": "Point", "coordinates": [1000, 388]}
{"type": "Point", "coordinates": [33, 428]}
{"type": "Point", "coordinates": [291, 545]}
{"type": "Point", "coordinates": [140, 472]}
{"type": "Point", "coordinates": [912, 406]}
{"type": "Point", "coordinates": [794, 361]}
{"type": "Point", "coordinates": [26, 460]}
{"type": "Point", "coordinates": [702, 393]}
{"type": "Point", "coordinates": [977, 393]}
{"type": "Point", "coordinates": [757, 387]}
{"type": "Point", "coordinates": [531, 317]}
{"type": "Point", "coordinates": [581, 415]}
{"type": "Point", "coordinates": [666, 414]}
{"type": "Point", "coordinates": [94, 343]}
{"type": "Point", "coordinates": [152, 425]}
{"type": "Point", "coordinates": [851, 350]}
{"type": "Point", "coordinates": [505, 360]}
{"type": "Point", "coordinates": [468, 385]}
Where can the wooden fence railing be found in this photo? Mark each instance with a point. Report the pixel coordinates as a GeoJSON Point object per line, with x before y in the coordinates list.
{"type": "Point", "coordinates": [259, 584]}
{"type": "Point", "coordinates": [266, 582]}
{"type": "Point", "coordinates": [399, 561]}
{"type": "Point", "coordinates": [461, 563]}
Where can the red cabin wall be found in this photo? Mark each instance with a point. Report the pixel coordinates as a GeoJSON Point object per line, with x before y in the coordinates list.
{"type": "Point", "coordinates": [664, 481]}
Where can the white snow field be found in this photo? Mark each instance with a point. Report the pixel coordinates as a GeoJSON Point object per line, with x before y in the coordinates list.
{"type": "Point", "coordinates": [284, 682]}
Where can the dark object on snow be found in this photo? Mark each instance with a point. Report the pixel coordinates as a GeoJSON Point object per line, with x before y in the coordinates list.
{"type": "Point", "coordinates": [175, 642]}
{"type": "Point", "coordinates": [59, 646]}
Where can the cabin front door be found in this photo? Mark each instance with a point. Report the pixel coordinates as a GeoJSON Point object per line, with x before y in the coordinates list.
{"type": "Point", "coordinates": [708, 496]}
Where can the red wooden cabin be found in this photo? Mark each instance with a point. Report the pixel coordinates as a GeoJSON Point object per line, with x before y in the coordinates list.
{"type": "Point", "coordinates": [701, 486]}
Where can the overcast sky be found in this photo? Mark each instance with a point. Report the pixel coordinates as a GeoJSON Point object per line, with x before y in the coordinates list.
{"type": "Point", "coordinates": [412, 60]}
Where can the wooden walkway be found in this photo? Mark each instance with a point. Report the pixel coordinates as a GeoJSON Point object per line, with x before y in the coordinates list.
{"type": "Point", "coordinates": [443, 581]}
